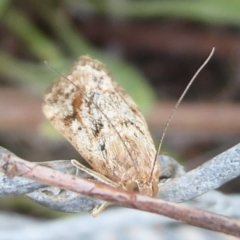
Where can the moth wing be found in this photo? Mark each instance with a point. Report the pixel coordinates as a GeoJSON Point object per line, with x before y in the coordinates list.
{"type": "Point", "coordinates": [100, 120]}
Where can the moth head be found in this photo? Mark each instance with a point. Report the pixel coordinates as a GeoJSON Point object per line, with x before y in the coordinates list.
{"type": "Point", "coordinates": [144, 187]}
{"type": "Point", "coordinates": [142, 181]}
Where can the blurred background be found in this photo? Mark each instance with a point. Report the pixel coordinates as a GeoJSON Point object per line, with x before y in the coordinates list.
{"type": "Point", "coordinates": [152, 48]}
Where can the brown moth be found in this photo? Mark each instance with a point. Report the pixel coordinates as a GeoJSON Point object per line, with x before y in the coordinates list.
{"type": "Point", "coordinates": [105, 126]}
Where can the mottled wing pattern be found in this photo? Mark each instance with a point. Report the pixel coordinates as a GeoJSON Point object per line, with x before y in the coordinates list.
{"type": "Point", "coordinates": [102, 122]}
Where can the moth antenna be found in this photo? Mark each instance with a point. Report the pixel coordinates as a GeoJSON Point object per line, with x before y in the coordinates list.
{"type": "Point", "coordinates": [81, 92]}
{"type": "Point", "coordinates": [60, 74]}
{"type": "Point", "coordinates": [177, 105]}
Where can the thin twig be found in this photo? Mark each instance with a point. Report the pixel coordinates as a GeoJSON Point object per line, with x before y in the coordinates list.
{"type": "Point", "coordinates": [14, 166]}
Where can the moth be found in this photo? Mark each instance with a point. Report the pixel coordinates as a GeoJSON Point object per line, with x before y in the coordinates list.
{"type": "Point", "coordinates": [104, 125]}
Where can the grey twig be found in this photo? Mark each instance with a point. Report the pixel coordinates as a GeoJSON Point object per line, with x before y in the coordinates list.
{"type": "Point", "coordinates": [16, 172]}
{"type": "Point", "coordinates": [209, 176]}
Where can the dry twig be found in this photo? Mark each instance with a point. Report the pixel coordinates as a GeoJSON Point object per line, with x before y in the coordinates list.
{"type": "Point", "coordinates": [13, 166]}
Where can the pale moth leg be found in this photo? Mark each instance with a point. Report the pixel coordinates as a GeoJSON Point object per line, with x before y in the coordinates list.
{"type": "Point", "coordinates": [98, 209]}
{"type": "Point", "coordinates": [96, 175]}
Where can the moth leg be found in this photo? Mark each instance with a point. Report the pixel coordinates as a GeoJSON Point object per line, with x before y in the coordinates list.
{"type": "Point", "coordinates": [96, 175]}
{"type": "Point", "coordinates": [98, 209]}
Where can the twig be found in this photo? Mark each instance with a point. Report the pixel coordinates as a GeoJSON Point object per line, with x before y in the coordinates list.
{"type": "Point", "coordinates": [13, 166]}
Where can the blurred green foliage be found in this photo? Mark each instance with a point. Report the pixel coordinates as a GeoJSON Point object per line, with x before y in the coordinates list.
{"type": "Point", "coordinates": [223, 12]}
{"type": "Point", "coordinates": [44, 47]}
{"type": "Point", "coordinates": [60, 43]}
